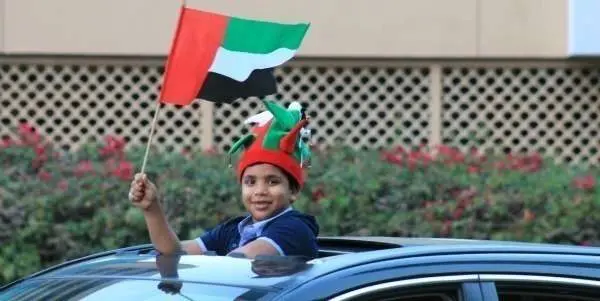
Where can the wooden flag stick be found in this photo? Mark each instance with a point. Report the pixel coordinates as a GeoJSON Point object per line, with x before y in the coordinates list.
{"type": "Point", "coordinates": [150, 136]}
{"type": "Point", "coordinates": [152, 127]}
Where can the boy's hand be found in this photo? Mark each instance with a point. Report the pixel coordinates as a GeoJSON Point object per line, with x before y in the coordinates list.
{"type": "Point", "coordinates": [142, 192]}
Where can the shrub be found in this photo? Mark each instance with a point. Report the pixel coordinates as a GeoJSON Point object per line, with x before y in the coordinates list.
{"type": "Point", "coordinates": [56, 206]}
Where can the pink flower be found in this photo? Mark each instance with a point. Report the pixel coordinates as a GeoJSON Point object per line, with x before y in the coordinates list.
{"type": "Point", "coordinates": [318, 194]}
{"type": "Point", "coordinates": [428, 215]}
{"type": "Point", "coordinates": [84, 167]}
{"type": "Point", "coordinates": [6, 142]}
{"type": "Point", "coordinates": [464, 194]}
{"type": "Point", "coordinates": [477, 156]}
{"type": "Point", "coordinates": [39, 150]}
{"type": "Point", "coordinates": [25, 128]}
{"type": "Point", "coordinates": [426, 158]}
{"type": "Point", "coordinates": [587, 182]}
{"type": "Point", "coordinates": [413, 160]}
{"type": "Point", "coordinates": [392, 158]}
{"type": "Point", "coordinates": [528, 215]}
{"type": "Point", "coordinates": [458, 212]}
{"type": "Point", "coordinates": [530, 164]}
{"type": "Point", "coordinates": [44, 175]}
{"type": "Point", "coordinates": [399, 156]}
{"type": "Point", "coordinates": [400, 150]}
{"type": "Point", "coordinates": [473, 169]}
{"type": "Point", "coordinates": [115, 142]}
{"type": "Point", "coordinates": [28, 134]}
{"type": "Point", "coordinates": [500, 165]}
{"type": "Point", "coordinates": [395, 156]}
{"type": "Point", "coordinates": [124, 171]}
{"type": "Point", "coordinates": [446, 228]}
{"type": "Point", "coordinates": [63, 185]}
{"type": "Point", "coordinates": [38, 162]}
{"type": "Point", "coordinates": [210, 151]}
{"type": "Point", "coordinates": [113, 146]}
{"type": "Point", "coordinates": [416, 158]}
{"type": "Point", "coordinates": [450, 155]}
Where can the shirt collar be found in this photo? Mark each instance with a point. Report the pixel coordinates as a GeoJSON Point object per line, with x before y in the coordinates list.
{"type": "Point", "coordinates": [246, 222]}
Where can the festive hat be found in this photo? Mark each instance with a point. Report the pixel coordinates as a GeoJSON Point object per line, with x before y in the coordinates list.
{"type": "Point", "coordinates": [276, 138]}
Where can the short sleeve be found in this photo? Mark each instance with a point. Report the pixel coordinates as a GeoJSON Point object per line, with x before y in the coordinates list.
{"type": "Point", "coordinates": [219, 238]}
{"type": "Point", "coordinates": [212, 240]}
{"type": "Point", "coordinates": [292, 237]}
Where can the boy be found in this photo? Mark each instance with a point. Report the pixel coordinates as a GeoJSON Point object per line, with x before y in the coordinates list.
{"type": "Point", "coordinates": [271, 175]}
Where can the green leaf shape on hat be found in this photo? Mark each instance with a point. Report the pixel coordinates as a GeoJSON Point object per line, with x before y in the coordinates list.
{"type": "Point", "coordinates": [283, 131]}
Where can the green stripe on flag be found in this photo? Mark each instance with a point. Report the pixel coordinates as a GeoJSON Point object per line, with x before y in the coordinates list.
{"type": "Point", "coordinates": [262, 37]}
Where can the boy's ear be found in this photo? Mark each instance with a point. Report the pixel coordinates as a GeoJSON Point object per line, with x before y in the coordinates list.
{"type": "Point", "coordinates": [294, 196]}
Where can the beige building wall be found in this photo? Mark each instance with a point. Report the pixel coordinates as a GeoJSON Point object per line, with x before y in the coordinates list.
{"type": "Point", "coordinates": [340, 28]}
{"type": "Point", "coordinates": [2, 27]}
{"type": "Point", "coordinates": [523, 28]}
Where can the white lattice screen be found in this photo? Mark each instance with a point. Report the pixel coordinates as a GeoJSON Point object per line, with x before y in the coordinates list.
{"type": "Point", "coordinates": [78, 102]}
{"type": "Point", "coordinates": [361, 107]}
{"type": "Point", "coordinates": [552, 108]}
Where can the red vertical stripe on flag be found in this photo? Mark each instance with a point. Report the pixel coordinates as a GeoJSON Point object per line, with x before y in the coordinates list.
{"type": "Point", "coordinates": [197, 38]}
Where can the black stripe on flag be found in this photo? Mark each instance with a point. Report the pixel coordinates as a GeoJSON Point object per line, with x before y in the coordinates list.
{"type": "Point", "coordinates": [220, 88]}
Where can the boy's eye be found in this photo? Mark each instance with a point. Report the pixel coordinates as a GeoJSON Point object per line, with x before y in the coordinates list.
{"type": "Point", "coordinates": [249, 181]}
{"type": "Point", "coordinates": [274, 181]}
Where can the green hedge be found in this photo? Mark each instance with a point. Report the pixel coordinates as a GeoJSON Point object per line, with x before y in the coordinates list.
{"type": "Point", "coordinates": [57, 206]}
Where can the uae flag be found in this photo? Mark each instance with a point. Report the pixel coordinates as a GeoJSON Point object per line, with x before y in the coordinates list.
{"type": "Point", "coordinates": [221, 58]}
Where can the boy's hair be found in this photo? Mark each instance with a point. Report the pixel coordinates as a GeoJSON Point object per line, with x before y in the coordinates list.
{"type": "Point", "coordinates": [276, 140]}
{"type": "Point", "coordinates": [294, 186]}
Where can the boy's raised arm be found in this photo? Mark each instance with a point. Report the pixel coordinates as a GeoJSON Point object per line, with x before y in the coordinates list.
{"type": "Point", "coordinates": [143, 194]}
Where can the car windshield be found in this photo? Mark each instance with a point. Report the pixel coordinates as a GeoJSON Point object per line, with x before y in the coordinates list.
{"type": "Point", "coordinates": [97, 289]}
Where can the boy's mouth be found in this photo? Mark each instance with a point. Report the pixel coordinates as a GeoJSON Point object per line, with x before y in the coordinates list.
{"type": "Point", "coordinates": [261, 205]}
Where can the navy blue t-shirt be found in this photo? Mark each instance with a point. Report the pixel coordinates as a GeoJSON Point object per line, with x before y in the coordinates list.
{"type": "Point", "coordinates": [292, 233]}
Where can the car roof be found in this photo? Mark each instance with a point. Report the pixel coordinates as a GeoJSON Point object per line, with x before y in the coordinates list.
{"type": "Point", "coordinates": [218, 270]}
{"type": "Point", "coordinates": [417, 247]}
{"type": "Point", "coordinates": [276, 272]}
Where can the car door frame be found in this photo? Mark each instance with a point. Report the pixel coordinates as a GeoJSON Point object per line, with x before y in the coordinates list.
{"type": "Point", "coordinates": [469, 286]}
{"type": "Point", "coordinates": [378, 275]}
{"type": "Point", "coordinates": [351, 277]}
{"type": "Point", "coordinates": [490, 293]}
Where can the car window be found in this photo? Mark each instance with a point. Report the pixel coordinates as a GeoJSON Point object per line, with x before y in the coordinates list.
{"type": "Point", "coordinates": [125, 289]}
{"type": "Point", "coordinates": [535, 292]}
{"type": "Point", "coordinates": [436, 288]}
{"type": "Point", "coordinates": [422, 293]}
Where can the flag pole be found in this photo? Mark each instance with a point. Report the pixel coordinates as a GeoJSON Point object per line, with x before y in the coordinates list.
{"type": "Point", "coordinates": [153, 125]}
{"type": "Point", "coordinates": [150, 136]}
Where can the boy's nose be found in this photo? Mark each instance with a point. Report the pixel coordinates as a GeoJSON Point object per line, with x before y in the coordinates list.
{"type": "Point", "coordinates": [261, 188]}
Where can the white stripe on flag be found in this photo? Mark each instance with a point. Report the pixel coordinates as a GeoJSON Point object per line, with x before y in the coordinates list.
{"type": "Point", "coordinates": [238, 65]}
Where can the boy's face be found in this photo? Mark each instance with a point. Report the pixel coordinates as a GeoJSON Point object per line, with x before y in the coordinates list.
{"type": "Point", "coordinates": [265, 191]}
